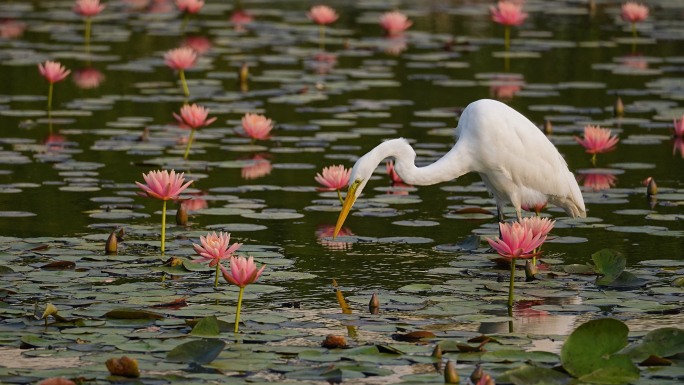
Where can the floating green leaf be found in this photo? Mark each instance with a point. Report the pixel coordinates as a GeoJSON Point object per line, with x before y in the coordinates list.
{"type": "Point", "coordinates": [200, 352]}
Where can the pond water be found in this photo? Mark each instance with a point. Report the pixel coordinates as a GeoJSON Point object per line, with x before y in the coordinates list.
{"type": "Point", "coordinates": [67, 181]}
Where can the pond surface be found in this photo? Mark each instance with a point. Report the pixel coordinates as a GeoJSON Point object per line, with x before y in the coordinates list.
{"type": "Point", "coordinates": [67, 181]}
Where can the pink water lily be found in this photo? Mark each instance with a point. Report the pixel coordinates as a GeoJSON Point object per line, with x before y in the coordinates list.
{"type": "Point", "coordinates": [243, 271]}
{"type": "Point", "coordinates": [392, 173]}
{"type": "Point", "coordinates": [214, 248]}
{"type": "Point", "coordinates": [189, 6]}
{"type": "Point", "coordinates": [322, 15]}
{"type": "Point", "coordinates": [88, 77]}
{"type": "Point", "coordinates": [256, 127]}
{"type": "Point", "coordinates": [538, 226]}
{"type": "Point", "coordinates": [180, 58]}
{"type": "Point", "coordinates": [508, 13]}
{"type": "Point", "coordinates": [333, 178]}
{"type": "Point", "coordinates": [163, 185]}
{"type": "Point", "coordinates": [194, 116]}
{"type": "Point", "coordinates": [679, 127]}
{"type": "Point", "coordinates": [53, 71]}
{"type": "Point", "coordinates": [517, 241]}
{"type": "Point", "coordinates": [88, 8]}
{"type": "Point", "coordinates": [633, 12]}
{"type": "Point", "coordinates": [597, 140]}
{"type": "Point", "coordinates": [394, 22]}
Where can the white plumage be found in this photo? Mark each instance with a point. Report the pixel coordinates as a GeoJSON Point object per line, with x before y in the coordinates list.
{"type": "Point", "coordinates": [516, 161]}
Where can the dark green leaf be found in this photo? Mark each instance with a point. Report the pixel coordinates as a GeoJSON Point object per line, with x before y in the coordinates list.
{"type": "Point", "coordinates": [201, 351]}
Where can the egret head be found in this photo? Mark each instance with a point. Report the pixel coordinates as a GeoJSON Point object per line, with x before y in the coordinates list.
{"type": "Point", "coordinates": [361, 173]}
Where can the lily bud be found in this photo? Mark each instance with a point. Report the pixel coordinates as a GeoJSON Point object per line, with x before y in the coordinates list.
{"type": "Point", "coordinates": [530, 270]}
{"type": "Point", "coordinates": [476, 375]}
{"type": "Point", "coordinates": [651, 187]}
{"type": "Point", "coordinates": [437, 352]}
{"type": "Point", "coordinates": [450, 373]}
{"type": "Point", "coordinates": [50, 309]}
{"type": "Point", "coordinates": [374, 304]}
{"type": "Point", "coordinates": [618, 108]}
{"type": "Point", "coordinates": [548, 128]}
{"type": "Point", "coordinates": [181, 215]}
{"type": "Point", "coordinates": [112, 244]}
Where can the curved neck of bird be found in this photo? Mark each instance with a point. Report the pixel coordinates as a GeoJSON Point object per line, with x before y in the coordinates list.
{"type": "Point", "coordinates": [446, 168]}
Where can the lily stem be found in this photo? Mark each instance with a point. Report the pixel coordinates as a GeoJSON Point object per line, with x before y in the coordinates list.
{"type": "Point", "coordinates": [185, 22]}
{"type": "Point", "coordinates": [237, 314]}
{"type": "Point", "coordinates": [634, 33]}
{"type": "Point", "coordinates": [185, 85]}
{"type": "Point", "coordinates": [163, 227]}
{"type": "Point", "coordinates": [321, 32]}
{"type": "Point", "coordinates": [187, 149]}
{"type": "Point", "coordinates": [340, 196]}
{"type": "Point", "coordinates": [50, 97]}
{"type": "Point", "coordinates": [217, 275]}
{"type": "Point", "coordinates": [510, 287]}
{"type": "Point", "coordinates": [87, 38]}
{"type": "Point", "coordinates": [593, 160]}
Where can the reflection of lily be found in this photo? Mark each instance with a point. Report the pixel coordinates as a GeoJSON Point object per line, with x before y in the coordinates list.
{"type": "Point", "coordinates": [239, 18]}
{"type": "Point", "coordinates": [195, 204]}
{"type": "Point", "coordinates": [322, 62]}
{"type": "Point", "coordinates": [326, 230]}
{"type": "Point", "coordinates": [597, 182]}
{"type": "Point", "coordinates": [396, 45]}
{"type": "Point", "coordinates": [505, 88]}
{"type": "Point", "coordinates": [10, 29]}
{"type": "Point", "coordinates": [678, 146]}
{"type": "Point", "coordinates": [524, 309]}
{"type": "Point", "coordinates": [88, 77]}
{"type": "Point", "coordinates": [635, 60]}
{"type": "Point", "coordinates": [199, 44]}
{"type": "Point", "coordinates": [260, 168]}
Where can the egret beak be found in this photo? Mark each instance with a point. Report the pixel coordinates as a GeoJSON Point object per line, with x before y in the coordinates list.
{"type": "Point", "coordinates": [346, 207]}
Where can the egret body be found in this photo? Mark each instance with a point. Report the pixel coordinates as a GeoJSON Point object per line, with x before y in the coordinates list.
{"type": "Point", "coordinates": [516, 161]}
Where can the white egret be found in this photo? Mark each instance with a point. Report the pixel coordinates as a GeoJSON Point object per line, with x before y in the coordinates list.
{"type": "Point", "coordinates": [516, 161]}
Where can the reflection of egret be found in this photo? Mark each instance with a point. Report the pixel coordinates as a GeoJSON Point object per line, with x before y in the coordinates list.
{"type": "Point", "coordinates": [516, 161]}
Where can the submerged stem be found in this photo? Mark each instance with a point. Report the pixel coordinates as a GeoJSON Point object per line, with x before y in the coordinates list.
{"type": "Point", "coordinates": [187, 149]}
{"type": "Point", "coordinates": [163, 227]}
{"type": "Point", "coordinates": [510, 287]}
{"type": "Point", "coordinates": [185, 85]}
{"type": "Point", "coordinates": [237, 314]}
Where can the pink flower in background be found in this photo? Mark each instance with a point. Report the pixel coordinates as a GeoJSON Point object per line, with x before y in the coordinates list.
{"type": "Point", "coordinates": [180, 58]}
{"type": "Point", "coordinates": [508, 13]}
{"type": "Point", "coordinates": [504, 91]}
{"type": "Point", "coordinates": [678, 127]}
{"type": "Point", "coordinates": [333, 178]}
{"type": "Point", "coordinates": [199, 44]}
{"type": "Point", "coordinates": [634, 12]}
{"type": "Point", "coordinates": [322, 14]}
{"type": "Point", "coordinates": [256, 126]}
{"type": "Point", "coordinates": [53, 71]}
{"type": "Point", "coordinates": [88, 8]}
{"type": "Point", "coordinates": [194, 116]}
{"type": "Point", "coordinates": [11, 29]}
{"type": "Point", "coordinates": [162, 185]}
{"type": "Point", "coordinates": [534, 208]}
{"type": "Point", "coordinates": [538, 226]}
{"type": "Point", "coordinates": [517, 241]}
{"type": "Point", "coordinates": [214, 248]}
{"type": "Point", "coordinates": [394, 22]}
{"type": "Point", "coordinates": [239, 18]}
{"type": "Point", "coordinates": [394, 177]}
{"type": "Point", "coordinates": [597, 182]}
{"type": "Point", "coordinates": [243, 271]}
{"type": "Point", "coordinates": [189, 6]}
{"type": "Point", "coordinates": [88, 77]}
{"type": "Point", "coordinates": [597, 140]}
